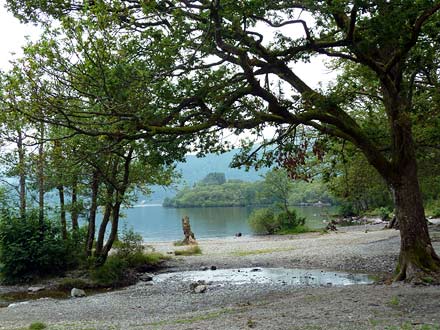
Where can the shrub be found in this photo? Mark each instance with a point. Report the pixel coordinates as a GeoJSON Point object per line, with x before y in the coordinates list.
{"type": "Point", "coordinates": [111, 273]}
{"type": "Point", "coordinates": [28, 251]}
{"type": "Point", "coordinates": [289, 220]}
{"type": "Point", "coordinates": [37, 326]}
{"type": "Point", "coordinates": [263, 221]}
{"type": "Point", "coordinates": [130, 255]}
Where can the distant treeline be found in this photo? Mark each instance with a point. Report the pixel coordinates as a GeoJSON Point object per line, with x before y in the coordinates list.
{"type": "Point", "coordinates": [215, 191]}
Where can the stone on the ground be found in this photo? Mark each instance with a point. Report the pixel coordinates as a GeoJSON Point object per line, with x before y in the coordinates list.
{"type": "Point", "coordinates": [77, 293]}
{"type": "Point", "coordinates": [213, 267]}
{"type": "Point", "coordinates": [145, 277]}
{"type": "Point", "coordinates": [34, 289]}
{"type": "Point", "coordinates": [203, 268]}
{"type": "Point", "coordinates": [200, 288]}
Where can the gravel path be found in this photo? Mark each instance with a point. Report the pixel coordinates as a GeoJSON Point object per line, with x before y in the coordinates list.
{"type": "Point", "coordinates": [172, 305]}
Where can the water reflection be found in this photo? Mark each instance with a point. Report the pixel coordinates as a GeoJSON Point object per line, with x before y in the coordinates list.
{"type": "Point", "coordinates": [293, 277]}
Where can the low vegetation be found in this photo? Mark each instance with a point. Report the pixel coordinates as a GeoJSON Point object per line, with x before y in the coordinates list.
{"type": "Point", "coordinates": [191, 251]}
{"type": "Point", "coordinates": [270, 221]}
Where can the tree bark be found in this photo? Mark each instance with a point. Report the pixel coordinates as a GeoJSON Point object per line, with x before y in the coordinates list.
{"type": "Point", "coordinates": [74, 212]}
{"type": "Point", "coordinates": [104, 223]}
{"type": "Point", "coordinates": [62, 212]}
{"type": "Point", "coordinates": [92, 215]}
{"type": "Point", "coordinates": [22, 173]}
{"type": "Point", "coordinates": [417, 256]}
{"type": "Point", "coordinates": [40, 171]}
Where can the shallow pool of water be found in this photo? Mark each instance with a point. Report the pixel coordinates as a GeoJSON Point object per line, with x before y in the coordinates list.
{"type": "Point", "coordinates": [293, 277]}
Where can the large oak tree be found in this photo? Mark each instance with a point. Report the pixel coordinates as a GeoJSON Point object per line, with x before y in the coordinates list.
{"type": "Point", "coordinates": [220, 60]}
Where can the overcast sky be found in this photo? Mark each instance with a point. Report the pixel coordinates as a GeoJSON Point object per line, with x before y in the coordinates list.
{"type": "Point", "coordinates": [13, 34]}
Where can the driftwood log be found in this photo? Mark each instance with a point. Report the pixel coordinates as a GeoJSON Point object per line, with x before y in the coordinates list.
{"type": "Point", "coordinates": [189, 239]}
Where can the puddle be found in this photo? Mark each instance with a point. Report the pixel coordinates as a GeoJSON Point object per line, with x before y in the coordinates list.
{"type": "Point", "coordinates": [292, 277]}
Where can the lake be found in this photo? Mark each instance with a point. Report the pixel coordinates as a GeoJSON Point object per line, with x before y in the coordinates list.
{"type": "Point", "coordinates": [156, 223]}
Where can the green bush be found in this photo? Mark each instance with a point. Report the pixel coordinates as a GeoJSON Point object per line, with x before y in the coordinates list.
{"type": "Point", "coordinates": [130, 255]}
{"type": "Point", "coordinates": [289, 220]}
{"type": "Point", "coordinates": [263, 221]}
{"type": "Point", "coordinates": [111, 273]}
{"type": "Point", "coordinates": [266, 221]}
{"type": "Point", "coordinates": [37, 326]}
{"type": "Point", "coordinates": [28, 251]}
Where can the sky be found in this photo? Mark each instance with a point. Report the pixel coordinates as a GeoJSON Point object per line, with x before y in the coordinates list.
{"type": "Point", "coordinates": [13, 35]}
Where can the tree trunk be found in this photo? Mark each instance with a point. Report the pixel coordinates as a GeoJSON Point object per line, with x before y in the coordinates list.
{"type": "Point", "coordinates": [113, 232]}
{"type": "Point", "coordinates": [22, 174]}
{"type": "Point", "coordinates": [104, 223]}
{"type": "Point", "coordinates": [417, 256]}
{"type": "Point", "coordinates": [74, 213]}
{"type": "Point", "coordinates": [92, 216]}
{"type": "Point", "coordinates": [40, 171]}
{"type": "Point", "coordinates": [62, 212]}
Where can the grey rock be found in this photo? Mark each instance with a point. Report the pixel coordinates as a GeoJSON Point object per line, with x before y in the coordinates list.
{"type": "Point", "coordinates": [213, 267]}
{"type": "Point", "coordinates": [200, 288]}
{"type": "Point", "coordinates": [77, 293]}
{"type": "Point", "coordinates": [34, 289]}
{"type": "Point", "coordinates": [203, 268]}
{"type": "Point", "coordinates": [146, 277]}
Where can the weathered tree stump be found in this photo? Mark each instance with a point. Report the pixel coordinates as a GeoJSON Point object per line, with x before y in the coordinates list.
{"type": "Point", "coordinates": [189, 235]}
{"type": "Point", "coordinates": [394, 223]}
{"type": "Point", "coordinates": [331, 226]}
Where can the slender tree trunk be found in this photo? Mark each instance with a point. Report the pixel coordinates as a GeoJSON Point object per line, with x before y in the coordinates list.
{"type": "Point", "coordinates": [113, 232]}
{"type": "Point", "coordinates": [62, 211]}
{"type": "Point", "coordinates": [40, 171]}
{"type": "Point", "coordinates": [22, 173]}
{"type": "Point", "coordinates": [74, 213]}
{"type": "Point", "coordinates": [417, 256]}
{"type": "Point", "coordinates": [104, 223]}
{"type": "Point", "coordinates": [92, 217]}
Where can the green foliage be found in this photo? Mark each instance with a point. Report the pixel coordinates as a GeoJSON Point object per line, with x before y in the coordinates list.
{"type": "Point", "coordinates": [27, 250]}
{"type": "Point", "coordinates": [433, 208]}
{"type": "Point", "coordinates": [37, 326]}
{"type": "Point", "coordinates": [130, 255]}
{"type": "Point", "coordinates": [241, 193]}
{"type": "Point", "coordinates": [191, 251]}
{"type": "Point", "coordinates": [112, 273]}
{"type": "Point", "coordinates": [70, 283]}
{"type": "Point", "coordinates": [289, 220]}
{"type": "Point", "coordinates": [213, 179]}
{"type": "Point", "coordinates": [267, 221]}
{"type": "Point", "coordinates": [263, 221]}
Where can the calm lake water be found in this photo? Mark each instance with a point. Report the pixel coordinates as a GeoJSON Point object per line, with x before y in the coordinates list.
{"type": "Point", "coordinates": [156, 223]}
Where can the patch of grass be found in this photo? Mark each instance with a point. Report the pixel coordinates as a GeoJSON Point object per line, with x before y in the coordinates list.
{"type": "Point", "coordinates": [428, 280]}
{"type": "Point", "coordinates": [394, 302]}
{"type": "Point", "coordinates": [262, 251]}
{"type": "Point", "coordinates": [250, 323]}
{"type": "Point", "coordinates": [193, 250]}
{"type": "Point", "coordinates": [301, 229]}
{"type": "Point", "coordinates": [37, 326]}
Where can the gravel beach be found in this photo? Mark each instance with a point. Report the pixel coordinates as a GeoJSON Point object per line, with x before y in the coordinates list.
{"type": "Point", "coordinates": [170, 304]}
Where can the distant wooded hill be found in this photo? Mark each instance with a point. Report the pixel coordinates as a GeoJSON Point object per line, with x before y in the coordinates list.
{"type": "Point", "coordinates": [195, 169]}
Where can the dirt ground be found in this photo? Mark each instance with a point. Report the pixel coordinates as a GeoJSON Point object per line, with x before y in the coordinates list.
{"type": "Point", "coordinates": [173, 305]}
